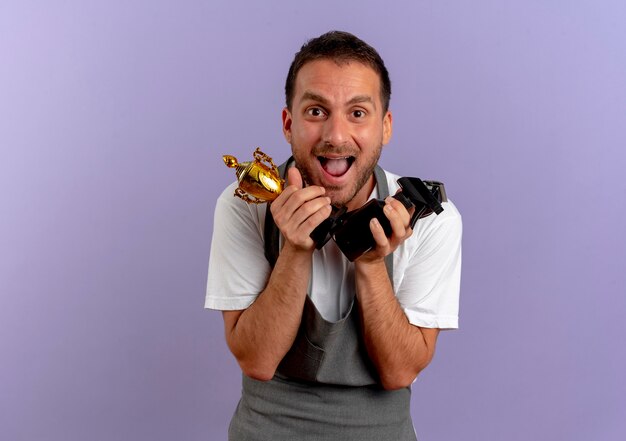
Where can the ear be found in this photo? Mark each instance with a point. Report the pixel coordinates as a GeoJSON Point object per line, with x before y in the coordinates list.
{"type": "Point", "coordinates": [387, 127]}
{"type": "Point", "coordinates": [287, 120]}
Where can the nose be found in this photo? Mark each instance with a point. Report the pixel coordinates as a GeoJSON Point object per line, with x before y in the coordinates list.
{"type": "Point", "coordinates": [335, 130]}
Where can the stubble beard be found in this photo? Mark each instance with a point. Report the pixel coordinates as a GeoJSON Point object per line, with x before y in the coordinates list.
{"type": "Point", "coordinates": [361, 180]}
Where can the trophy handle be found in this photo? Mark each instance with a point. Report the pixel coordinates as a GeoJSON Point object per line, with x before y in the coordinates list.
{"type": "Point", "coordinates": [243, 195]}
{"type": "Point", "coordinates": [260, 157]}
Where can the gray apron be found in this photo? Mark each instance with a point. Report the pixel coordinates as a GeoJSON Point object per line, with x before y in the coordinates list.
{"type": "Point", "coordinates": [326, 387]}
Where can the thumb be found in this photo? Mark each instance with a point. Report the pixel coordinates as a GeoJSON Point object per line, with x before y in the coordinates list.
{"type": "Point", "coordinates": [294, 177]}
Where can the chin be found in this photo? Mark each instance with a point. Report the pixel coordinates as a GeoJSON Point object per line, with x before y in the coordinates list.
{"type": "Point", "coordinates": [339, 199]}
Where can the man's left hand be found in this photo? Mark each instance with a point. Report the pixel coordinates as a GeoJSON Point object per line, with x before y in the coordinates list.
{"type": "Point", "coordinates": [399, 218]}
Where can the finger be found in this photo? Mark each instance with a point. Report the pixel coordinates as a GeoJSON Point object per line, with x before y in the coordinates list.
{"type": "Point", "coordinates": [295, 184]}
{"type": "Point", "coordinates": [297, 198]}
{"type": "Point", "coordinates": [399, 231]}
{"type": "Point", "coordinates": [294, 177]}
{"type": "Point", "coordinates": [399, 218]}
{"type": "Point", "coordinates": [294, 207]}
{"type": "Point", "coordinates": [378, 233]}
{"type": "Point", "coordinates": [312, 213]}
{"type": "Point", "coordinates": [405, 214]}
{"type": "Point", "coordinates": [297, 229]}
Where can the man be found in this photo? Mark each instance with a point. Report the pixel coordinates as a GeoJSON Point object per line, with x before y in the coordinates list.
{"type": "Point", "coordinates": [329, 348]}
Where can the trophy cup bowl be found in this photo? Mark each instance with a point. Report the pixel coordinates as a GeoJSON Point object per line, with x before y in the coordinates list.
{"type": "Point", "coordinates": [259, 180]}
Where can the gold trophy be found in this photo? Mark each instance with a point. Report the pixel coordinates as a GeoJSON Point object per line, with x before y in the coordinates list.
{"type": "Point", "coordinates": [258, 182]}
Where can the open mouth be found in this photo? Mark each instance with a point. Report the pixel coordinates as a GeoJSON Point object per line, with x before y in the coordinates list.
{"type": "Point", "coordinates": [336, 166]}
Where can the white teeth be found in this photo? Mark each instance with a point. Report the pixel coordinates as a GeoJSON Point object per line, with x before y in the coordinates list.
{"type": "Point", "coordinates": [328, 158]}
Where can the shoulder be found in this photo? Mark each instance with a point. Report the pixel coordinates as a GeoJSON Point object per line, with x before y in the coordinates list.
{"type": "Point", "coordinates": [233, 217]}
{"type": "Point", "coordinates": [229, 206]}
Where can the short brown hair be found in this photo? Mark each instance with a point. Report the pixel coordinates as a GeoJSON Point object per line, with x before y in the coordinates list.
{"type": "Point", "coordinates": [341, 47]}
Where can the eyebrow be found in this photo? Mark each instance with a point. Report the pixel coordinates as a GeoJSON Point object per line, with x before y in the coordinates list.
{"type": "Point", "coordinates": [308, 95]}
{"type": "Point", "coordinates": [314, 97]}
{"type": "Point", "coordinates": [362, 99]}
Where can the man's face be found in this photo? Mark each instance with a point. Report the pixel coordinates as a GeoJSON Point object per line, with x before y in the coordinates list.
{"type": "Point", "coordinates": [337, 127]}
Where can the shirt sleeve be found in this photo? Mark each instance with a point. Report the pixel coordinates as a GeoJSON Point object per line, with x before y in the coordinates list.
{"type": "Point", "coordinates": [238, 269]}
{"type": "Point", "coordinates": [429, 285]}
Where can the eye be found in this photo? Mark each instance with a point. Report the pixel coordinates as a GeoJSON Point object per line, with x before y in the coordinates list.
{"type": "Point", "coordinates": [315, 112]}
{"type": "Point", "coordinates": [358, 113]}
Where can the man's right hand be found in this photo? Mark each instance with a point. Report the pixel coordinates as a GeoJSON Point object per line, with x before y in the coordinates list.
{"type": "Point", "coordinates": [297, 211]}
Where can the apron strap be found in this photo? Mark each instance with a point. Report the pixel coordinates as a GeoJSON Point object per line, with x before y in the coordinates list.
{"type": "Point", "coordinates": [383, 192]}
{"type": "Point", "coordinates": [270, 231]}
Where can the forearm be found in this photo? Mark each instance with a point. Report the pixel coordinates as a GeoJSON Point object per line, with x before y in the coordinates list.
{"type": "Point", "coordinates": [260, 336]}
{"type": "Point", "coordinates": [398, 349]}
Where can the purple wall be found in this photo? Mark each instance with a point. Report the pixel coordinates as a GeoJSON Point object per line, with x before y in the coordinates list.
{"type": "Point", "coordinates": [113, 119]}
